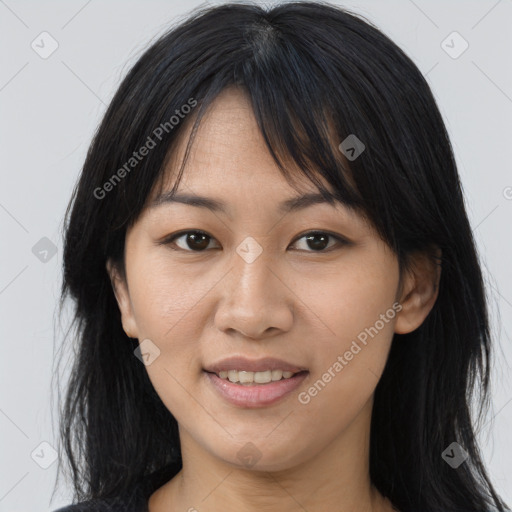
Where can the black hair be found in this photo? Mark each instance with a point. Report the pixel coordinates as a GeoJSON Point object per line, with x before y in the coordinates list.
{"type": "Point", "coordinates": [315, 74]}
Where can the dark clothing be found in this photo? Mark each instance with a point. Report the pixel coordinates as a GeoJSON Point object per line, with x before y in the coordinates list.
{"type": "Point", "coordinates": [135, 500]}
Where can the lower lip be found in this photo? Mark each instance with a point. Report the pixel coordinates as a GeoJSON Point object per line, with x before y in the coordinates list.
{"type": "Point", "coordinates": [257, 395]}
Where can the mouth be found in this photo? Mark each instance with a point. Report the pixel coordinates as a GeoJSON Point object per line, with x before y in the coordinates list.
{"type": "Point", "coordinates": [254, 383]}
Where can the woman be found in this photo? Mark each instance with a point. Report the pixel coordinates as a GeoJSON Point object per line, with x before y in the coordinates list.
{"type": "Point", "coordinates": [279, 304]}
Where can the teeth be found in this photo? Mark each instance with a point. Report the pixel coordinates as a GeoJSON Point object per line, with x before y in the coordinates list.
{"type": "Point", "coordinates": [263, 377]}
{"type": "Point", "coordinates": [277, 374]}
{"type": "Point", "coordinates": [244, 377]}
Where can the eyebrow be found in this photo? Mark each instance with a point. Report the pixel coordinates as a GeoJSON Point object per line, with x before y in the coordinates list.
{"type": "Point", "coordinates": [289, 205]}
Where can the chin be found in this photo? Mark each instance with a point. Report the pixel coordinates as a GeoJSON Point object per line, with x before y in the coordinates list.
{"type": "Point", "coordinates": [259, 455]}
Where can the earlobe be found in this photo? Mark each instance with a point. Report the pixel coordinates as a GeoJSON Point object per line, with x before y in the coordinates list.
{"type": "Point", "coordinates": [120, 289]}
{"type": "Point", "coordinates": [419, 291]}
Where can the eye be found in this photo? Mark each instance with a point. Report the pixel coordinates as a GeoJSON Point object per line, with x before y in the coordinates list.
{"type": "Point", "coordinates": [193, 241]}
{"type": "Point", "coordinates": [319, 240]}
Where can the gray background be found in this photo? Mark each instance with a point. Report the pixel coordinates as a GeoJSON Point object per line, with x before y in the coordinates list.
{"type": "Point", "coordinates": [50, 108]}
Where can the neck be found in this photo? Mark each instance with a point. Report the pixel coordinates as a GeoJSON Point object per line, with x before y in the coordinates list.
{"type": "Point", "coordinates": [337, 478]}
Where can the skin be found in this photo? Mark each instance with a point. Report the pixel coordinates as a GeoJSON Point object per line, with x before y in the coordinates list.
{"type": "Point", "coordinates": [293, 303]}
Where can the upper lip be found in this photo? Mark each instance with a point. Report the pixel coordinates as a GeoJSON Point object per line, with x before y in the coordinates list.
{"type": "Point", "coordinates": [252, 365]}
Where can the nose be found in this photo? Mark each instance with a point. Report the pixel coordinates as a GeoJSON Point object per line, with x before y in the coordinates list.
{"type": "Point", "coordinates": [255, 300]}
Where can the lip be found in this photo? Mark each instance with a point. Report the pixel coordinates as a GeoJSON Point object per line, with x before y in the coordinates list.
{"type": "Point", "coordinates": [252, 365]}
{"type": "Point", "coordinates": [257, 395]}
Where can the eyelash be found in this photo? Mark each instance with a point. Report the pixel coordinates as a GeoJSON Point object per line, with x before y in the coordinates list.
{"type": "Point", "coordinates": [169, 240]}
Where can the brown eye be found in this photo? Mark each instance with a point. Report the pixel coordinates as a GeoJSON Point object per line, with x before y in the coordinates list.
{"type": "Point", "coordinates": [194, 241]}
{"type": "Point", "coordinates": [318, 241]}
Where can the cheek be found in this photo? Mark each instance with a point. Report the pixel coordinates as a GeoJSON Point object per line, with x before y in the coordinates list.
{"type": "Point", "coordinates": [357, 311]}
{"type": "Point", "coordinates": [164, 297]}
{"type": "Point", "coordinates": [169, 312]}
{"type": "Point", "coordinates": [346, 301]}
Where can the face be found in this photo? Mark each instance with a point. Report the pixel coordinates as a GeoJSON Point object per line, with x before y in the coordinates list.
{"type": "Point", "coordinates": [312, 292]}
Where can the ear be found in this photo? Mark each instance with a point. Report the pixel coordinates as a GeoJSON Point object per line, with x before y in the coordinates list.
{"type": "Point", "coordinates": [120, 287]}
{"type": "Point", "coordinates": [419, 290]}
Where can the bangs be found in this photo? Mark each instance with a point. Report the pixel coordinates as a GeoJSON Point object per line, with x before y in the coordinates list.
{"type": "Point", "coordinates": [296, 115]}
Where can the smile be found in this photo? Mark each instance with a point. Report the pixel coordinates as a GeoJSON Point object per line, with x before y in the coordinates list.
{"type": "Point", "coordinates": [250, 393]}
